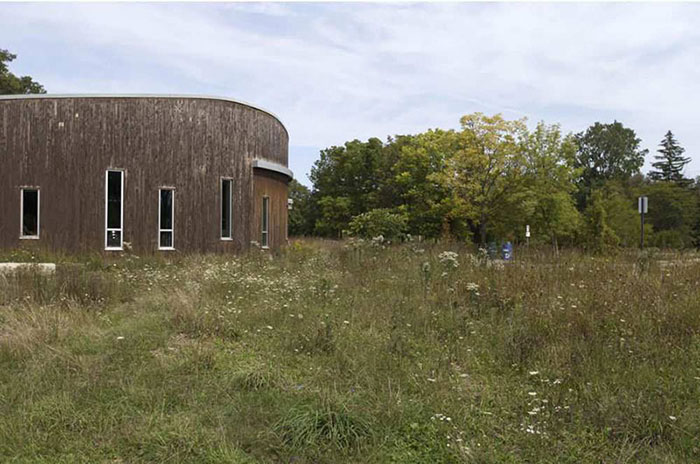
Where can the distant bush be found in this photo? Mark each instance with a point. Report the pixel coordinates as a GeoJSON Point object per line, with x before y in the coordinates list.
{"type": "Point", "coordinates": [676, 238]}
{"type": "Point", "coordinates": [384, 222]}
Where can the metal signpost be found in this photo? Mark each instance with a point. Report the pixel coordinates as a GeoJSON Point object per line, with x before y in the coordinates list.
{"type": "Point", "coordinates": [527, 235]}
{"type": "Point", "coordinates": [643, 206]}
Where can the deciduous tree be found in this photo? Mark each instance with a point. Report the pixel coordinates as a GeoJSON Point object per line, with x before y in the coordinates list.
{"type": "Point", "coordinates": [347, 182]}
{"type": "Point", "coordinates": [548, 206]}
{"type": "Point", "coordinates": [606, 152]}
{"type": "Point", "coordinates": [11, 84]}
{"type": "Point", "coordinates": [485, 172]}
{"type": "Point", "coordinates": [301, 220]}
{"type": "Point", "coordinates": [673, 212]}
{"type": "Point", "coordinates": [416, 162]}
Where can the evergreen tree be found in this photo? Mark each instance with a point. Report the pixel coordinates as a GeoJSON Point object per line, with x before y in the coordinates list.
{"type": "Point", "coordinates": [671, 161]}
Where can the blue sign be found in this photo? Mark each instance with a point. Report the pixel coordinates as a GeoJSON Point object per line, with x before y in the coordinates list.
{"type": "Point", "coordinates": [507, 251]}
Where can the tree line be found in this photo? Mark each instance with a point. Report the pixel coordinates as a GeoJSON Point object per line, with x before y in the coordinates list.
{"type": "Point", "coordinates": [487, 180]}
{"type": "Point", "coordinates": [491, 177]}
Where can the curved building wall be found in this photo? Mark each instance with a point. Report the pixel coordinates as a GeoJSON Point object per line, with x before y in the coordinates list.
{"type": "Point", "coordinates": [65, 145]}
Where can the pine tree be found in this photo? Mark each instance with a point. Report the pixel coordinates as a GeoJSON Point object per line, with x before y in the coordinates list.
{"type": "Point", "coordinates": [671, 161]}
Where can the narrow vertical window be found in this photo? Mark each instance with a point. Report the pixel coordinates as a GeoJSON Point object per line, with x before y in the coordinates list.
{"type": "Point", "coordinates": [114, 210]}
{"type": "Point", "coordinates": [226, 213]}
{"type": "Point", "coordinates": [29, 213]}
{"type": "Point", "coordinates": [166, 219]}
{"type": "Point", "coordinates": [265, 238]}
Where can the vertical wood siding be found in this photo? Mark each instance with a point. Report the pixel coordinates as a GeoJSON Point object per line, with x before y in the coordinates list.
{"type": "Point", "coordinates": [65, 146]}
{"type": "Point", "coordinates": [273, 186]}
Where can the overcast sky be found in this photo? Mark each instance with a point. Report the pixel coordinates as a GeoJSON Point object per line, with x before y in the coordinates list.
{"type": "Point", "coordinates": [335, 72]}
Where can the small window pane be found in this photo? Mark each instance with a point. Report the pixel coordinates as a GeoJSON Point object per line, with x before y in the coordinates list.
{"type": "Point", "coordinates": [265, 213]}
{"type": "Point", "coordinates": [166, 239]}
{"type": "Point", "coordinates": [265, 221]}
{"type": "Point", "coordinates": [166, 209]}
{"type": "Point", "coordinates": [30, 213]}
{"type": "Point", "coordinates": [226, 201]}
{"type": "Point", "coordinates": [114, 238]}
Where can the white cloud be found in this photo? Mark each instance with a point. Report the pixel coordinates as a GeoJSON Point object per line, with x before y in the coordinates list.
{"type": "Point", "coordinates": [342, 71]}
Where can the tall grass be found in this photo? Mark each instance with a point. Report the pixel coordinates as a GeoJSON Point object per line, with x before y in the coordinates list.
{"type": "Point", "coordinates": [331, 352]}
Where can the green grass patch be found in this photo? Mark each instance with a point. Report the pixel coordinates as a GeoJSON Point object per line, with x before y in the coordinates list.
{"type": "Point", "coordinates": [327, 353]}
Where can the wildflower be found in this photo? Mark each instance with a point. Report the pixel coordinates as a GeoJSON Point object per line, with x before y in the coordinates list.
{"type": "Point", "coordinates": [472, 287]}
{"type": "Point", "coordinates": [346, 322]}
{"type": "Point", "coordinates": [449, 259]}
{"type": "Point", "coordinates": [534, 372]}
{"type": "Point", "coordinates": [672, 417]}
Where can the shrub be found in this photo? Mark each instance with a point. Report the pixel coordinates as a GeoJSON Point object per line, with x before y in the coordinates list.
{"type": "Point", "coordinates": [379, 222]}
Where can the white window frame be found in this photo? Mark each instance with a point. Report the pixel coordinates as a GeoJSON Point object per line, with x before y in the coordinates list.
{"type": "Point", "coordinates": [121, 204]}
{"type": "Point", "coordinates": [21, 213]}
{"type": "Point", "coordinates": [265, 222]}
{"type": "Point", "coordinates": [230, 208]}
{"type": "Point", "coordinates": [172, 217]}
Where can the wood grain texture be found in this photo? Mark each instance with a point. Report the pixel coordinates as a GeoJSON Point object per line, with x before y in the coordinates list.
{"type": "Point", "coordinates": [274, 186]}
{"type": "Point", "coordinates": [65, 146]}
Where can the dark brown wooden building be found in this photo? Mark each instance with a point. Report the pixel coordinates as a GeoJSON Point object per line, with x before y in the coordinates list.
{"type": "Point", "coordinates": [153, 173]}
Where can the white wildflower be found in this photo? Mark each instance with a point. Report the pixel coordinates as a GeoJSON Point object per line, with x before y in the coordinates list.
{"type": "Point", "coordinates": [449, 259]}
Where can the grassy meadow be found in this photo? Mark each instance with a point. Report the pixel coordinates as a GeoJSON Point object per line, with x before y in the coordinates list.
{"type": "Point", "coordinates": [339, 352]}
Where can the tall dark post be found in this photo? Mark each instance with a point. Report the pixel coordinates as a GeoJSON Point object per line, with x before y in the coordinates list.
{"type": "Point", "coordinates": [643, 204]}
